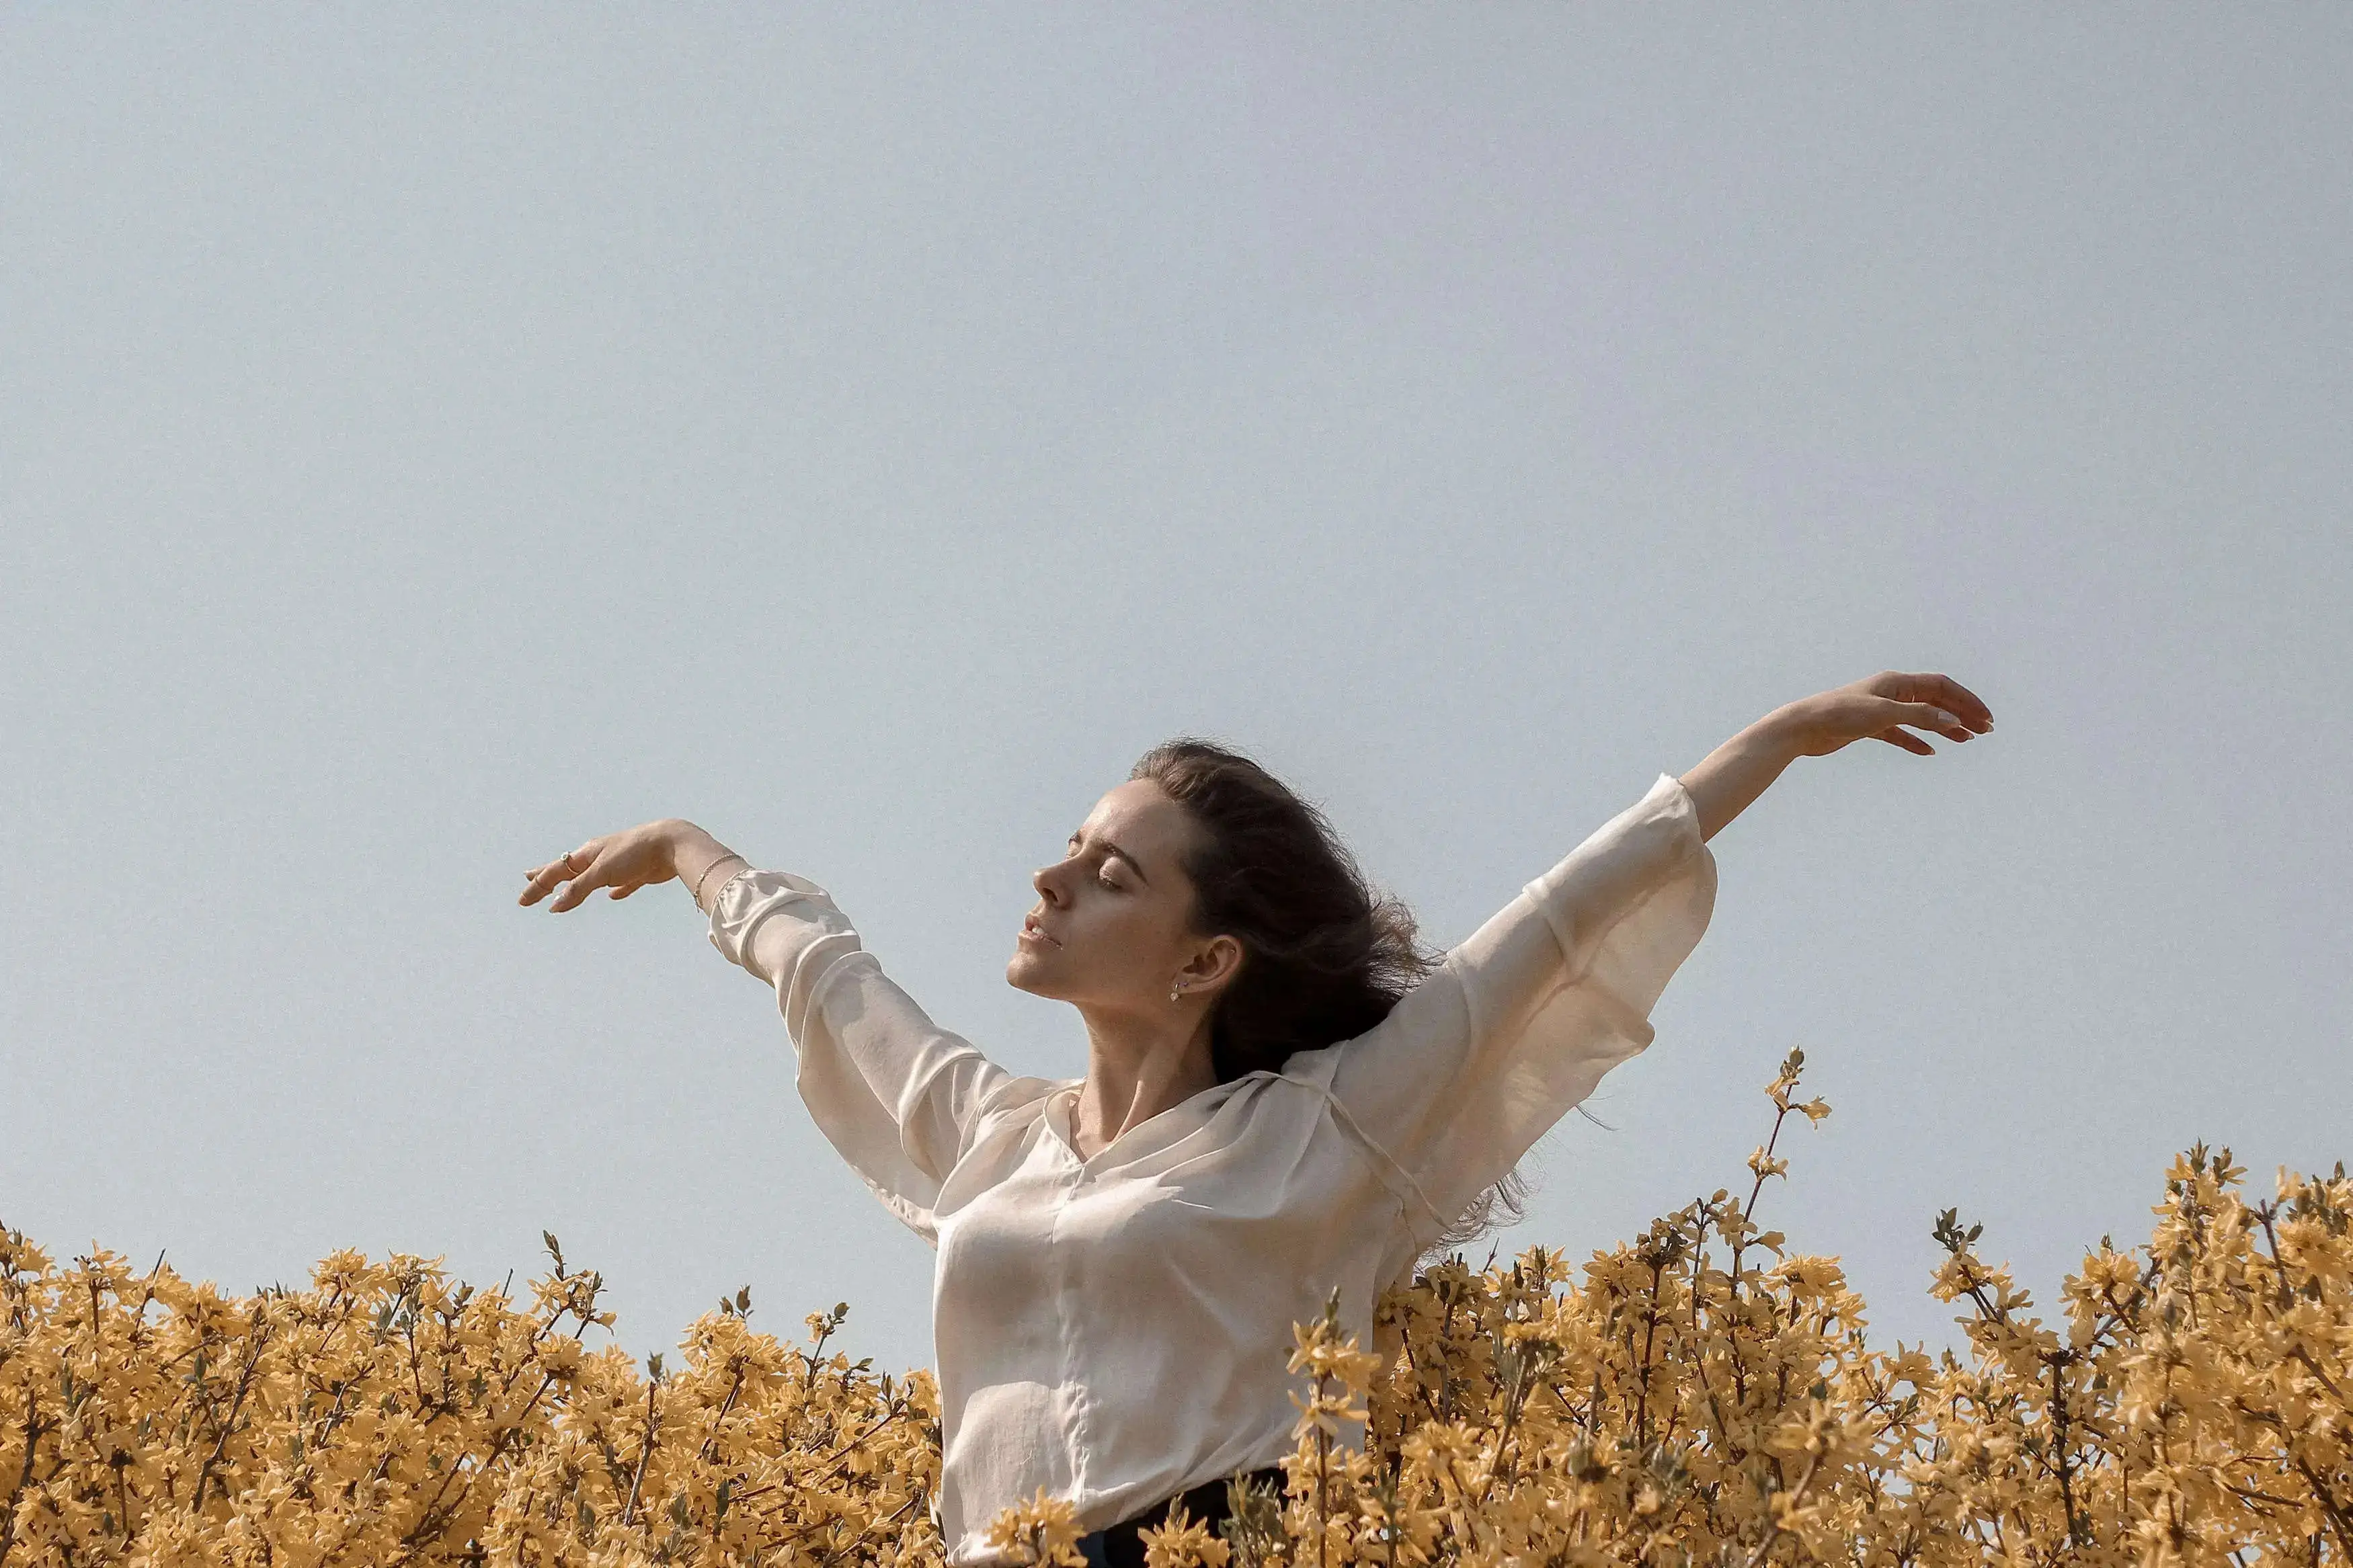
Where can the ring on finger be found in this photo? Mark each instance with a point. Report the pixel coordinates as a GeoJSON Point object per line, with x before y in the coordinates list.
{"type": "Point", "coordinates": [569, 868]}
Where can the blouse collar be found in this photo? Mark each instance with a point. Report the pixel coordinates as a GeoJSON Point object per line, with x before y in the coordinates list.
{"type": "Point", "coordinates": [1154, 1131]}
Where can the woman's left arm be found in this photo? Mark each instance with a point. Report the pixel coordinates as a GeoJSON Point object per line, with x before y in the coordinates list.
{"type": "Point", "coordinates": [1887, 707]}
{"type": "Point", "coordinates": [1527, 1014]}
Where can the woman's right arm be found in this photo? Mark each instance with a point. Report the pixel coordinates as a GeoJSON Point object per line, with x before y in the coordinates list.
{"type": "Point", "coordinates": [896, 1094]}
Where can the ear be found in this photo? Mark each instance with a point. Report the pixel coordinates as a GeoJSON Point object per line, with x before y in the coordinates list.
{"type": "Point", "coordinates": [1218, 961]}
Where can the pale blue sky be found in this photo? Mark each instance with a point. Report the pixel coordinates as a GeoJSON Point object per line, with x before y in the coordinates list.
{"type": "Point", "coordinates": [428, 439]}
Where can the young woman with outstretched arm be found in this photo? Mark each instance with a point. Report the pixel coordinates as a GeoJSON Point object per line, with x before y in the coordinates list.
{"type": "Point", "coordinates": [1283, 1096]}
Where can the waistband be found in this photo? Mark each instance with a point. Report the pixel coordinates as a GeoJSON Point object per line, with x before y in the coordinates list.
{"type": "Point", "coordinates": [1121, 1546]}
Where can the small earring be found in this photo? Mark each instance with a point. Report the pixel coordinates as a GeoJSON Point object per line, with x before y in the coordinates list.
{"type": "Point", "coordinates": [1174, 991]}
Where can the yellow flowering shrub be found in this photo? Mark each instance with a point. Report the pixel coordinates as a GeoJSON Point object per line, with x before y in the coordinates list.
{"type": "Point", "coordinates": [1699, 1395]}
{"type": "Point", "coordinates": [384, 1416]}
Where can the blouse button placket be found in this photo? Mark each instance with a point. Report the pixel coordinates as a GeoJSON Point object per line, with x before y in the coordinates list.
{"type": "Point", "coordinates": [1066, 1322]}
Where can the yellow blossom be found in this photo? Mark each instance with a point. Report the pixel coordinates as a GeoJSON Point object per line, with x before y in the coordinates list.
{"type": "Point", "coordinates": [1702, 1394]}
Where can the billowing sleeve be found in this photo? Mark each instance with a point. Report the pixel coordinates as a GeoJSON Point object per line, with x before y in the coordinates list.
{"type": "Point", "coordinates": [1520, 1022]}
{"type": "Point", "coordinates": [894, 1093]}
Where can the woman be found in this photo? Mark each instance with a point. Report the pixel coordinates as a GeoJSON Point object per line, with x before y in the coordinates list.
{"type": "Point", "coordinates": [1282, 1097]}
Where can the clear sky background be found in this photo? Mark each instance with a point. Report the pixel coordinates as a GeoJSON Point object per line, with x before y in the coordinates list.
{"type": "Point", "coordinates": [430, 438]}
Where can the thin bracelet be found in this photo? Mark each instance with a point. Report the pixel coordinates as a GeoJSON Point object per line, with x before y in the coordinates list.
{"type": "Point", "coordinates": [731, 855]}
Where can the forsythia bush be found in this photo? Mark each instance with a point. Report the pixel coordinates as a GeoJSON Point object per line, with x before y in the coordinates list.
{"type": "Point", "coordinates": [1700, 1396]}
{"type": "Point", "coordinates": [383, 1416]}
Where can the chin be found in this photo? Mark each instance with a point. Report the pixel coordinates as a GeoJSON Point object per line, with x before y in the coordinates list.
{"type": "Point", "coordinates": [1027, 972]}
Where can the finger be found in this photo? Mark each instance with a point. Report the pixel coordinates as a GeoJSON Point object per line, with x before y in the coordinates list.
{"type": "Point", "coordinates": [593, 876]}
{"type": "Point", "coordinates": [1937, 720]}
{"type": "Point", "coordinates": [1907, 741]}
{"type": "Point", "coordinates": [541, 882]}
{"type": "Point", "coordinates": [624, 889]}
{"type": "Point", "coordinates": [562, 869]}
{"type": "Point", "coordinates": [1972, 707]}
{"type": "Point", "coordinates": [1943, 691]}
{"type": "Point", "coordinates": [1952, 696]}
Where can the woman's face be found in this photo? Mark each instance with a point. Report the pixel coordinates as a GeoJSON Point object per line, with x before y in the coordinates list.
{"type": "Point", "coordinates": [1112, 929]}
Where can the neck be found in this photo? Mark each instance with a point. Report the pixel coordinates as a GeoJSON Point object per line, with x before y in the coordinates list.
{"type": "Point", "coordinates": [1137, 1068]}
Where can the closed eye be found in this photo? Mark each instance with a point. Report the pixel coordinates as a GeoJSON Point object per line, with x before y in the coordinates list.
{"type": "Point", "coordinates": [1102, 878]}
{"type": "Point", "coordinates": [1111, 852]}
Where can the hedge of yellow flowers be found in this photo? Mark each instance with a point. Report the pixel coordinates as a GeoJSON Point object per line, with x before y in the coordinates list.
{"type": "Point", "coordinates": [1699, 1395]}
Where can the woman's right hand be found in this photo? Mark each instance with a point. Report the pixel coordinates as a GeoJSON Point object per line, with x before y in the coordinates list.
{"type": "Point", "coordinates": [624, 862]}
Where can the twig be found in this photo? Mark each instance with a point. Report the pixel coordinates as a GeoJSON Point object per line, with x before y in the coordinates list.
{"type": "Point", "coordinates": [1773, 1526]}
{"type": "Point", "coordinates": [729, 1403]}
{"type": "Point", "coordinates": [24, 1478]}
{"type": "Point", "coordinates": [653, 1433]}
{"type": "Point", "coordinates": [244, 1383]}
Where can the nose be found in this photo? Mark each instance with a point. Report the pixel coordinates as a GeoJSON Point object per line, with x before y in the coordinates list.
{"type": "Point", "coordinates": [1042, 880]}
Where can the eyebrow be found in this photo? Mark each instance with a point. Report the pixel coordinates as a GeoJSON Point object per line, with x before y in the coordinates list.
{"type": "Point", "coordinates": [1108, 848]}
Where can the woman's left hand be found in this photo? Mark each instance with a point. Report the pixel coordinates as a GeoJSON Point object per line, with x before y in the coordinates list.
{"type": "Point", "coordinates": [1886, 707]}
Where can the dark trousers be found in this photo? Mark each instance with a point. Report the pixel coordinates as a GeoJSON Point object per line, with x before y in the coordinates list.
{"type": "Point", "coordinates": [1121, 1546]}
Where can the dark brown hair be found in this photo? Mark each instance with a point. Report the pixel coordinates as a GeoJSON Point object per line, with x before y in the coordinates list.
{"type": "Point", "coordinates": [1325, 957]}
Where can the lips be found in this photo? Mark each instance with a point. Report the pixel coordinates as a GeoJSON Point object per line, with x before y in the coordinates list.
{"type": "Point", "coordinates": [1032, 928]}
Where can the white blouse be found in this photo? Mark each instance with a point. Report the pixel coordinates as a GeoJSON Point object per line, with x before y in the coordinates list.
{"type": "Point", "coordinates": [1116, 1329]}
